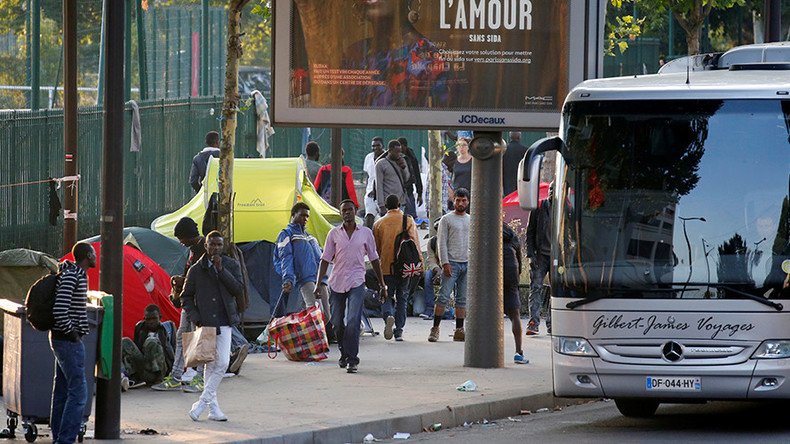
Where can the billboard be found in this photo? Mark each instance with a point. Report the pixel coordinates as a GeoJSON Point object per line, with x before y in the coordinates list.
{"type": "Point", "coordinates": [426, 63]}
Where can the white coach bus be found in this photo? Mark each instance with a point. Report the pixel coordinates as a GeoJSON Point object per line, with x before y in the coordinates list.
{"type": "Point", "coordinates": [670, 233]}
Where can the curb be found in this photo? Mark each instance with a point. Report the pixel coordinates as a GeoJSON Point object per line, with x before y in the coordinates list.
{"type": "Point", "coordinates": [413, 420]}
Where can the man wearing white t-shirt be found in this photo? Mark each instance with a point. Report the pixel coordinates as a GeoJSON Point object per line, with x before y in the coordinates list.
{"type": "Point", "coordinates": [371, 204]}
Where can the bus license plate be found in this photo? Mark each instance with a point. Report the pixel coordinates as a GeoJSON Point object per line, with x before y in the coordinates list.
{"type": "Point", "coordinates": [674, 383]}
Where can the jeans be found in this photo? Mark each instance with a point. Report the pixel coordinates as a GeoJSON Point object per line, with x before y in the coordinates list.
{"type": "Point", "coordinates": [178, 364]}
{"type": "Point", "coordinates": [346, 316]}
{"type": "Point", "coordinates": [538, 267]}
{"type": "Point", "coordinates": [428, 294]}
{"type": "Point", "coordinates": [395, 291]}
{"type": "Point", "coordinates": [70, 392]}
{"type": "Point", "coordinates": [215, 369]}
{"type": "Point", "coordinates": [457, 281]}
{"type": "Point", "coordinates": [411, 205]}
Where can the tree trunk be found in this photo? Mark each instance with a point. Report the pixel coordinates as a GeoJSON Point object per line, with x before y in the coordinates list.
{"type": "Point", "coordinates": [230, 108]}
{"type": "Point", "coordinates": [435, 155]}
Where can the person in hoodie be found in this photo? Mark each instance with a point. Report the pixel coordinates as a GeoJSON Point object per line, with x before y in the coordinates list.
{"type": "Point", "coordinates": [297, 258]}
{"type": "Point", "coordinates": [200, 161]}
{"type": "Point", "coordinates": [70, 393]}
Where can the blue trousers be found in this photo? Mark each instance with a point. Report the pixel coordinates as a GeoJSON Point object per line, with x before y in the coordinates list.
{"type": "Point", "coordinates": [395, 291]}
{"type": "Point", "coordinates": [346, 315]}
{"type": "Point", "coordinates": [70, 392]}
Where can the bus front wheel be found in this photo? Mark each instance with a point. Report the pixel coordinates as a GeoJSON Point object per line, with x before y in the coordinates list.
{"type": "Point", "coordinates": [636, 408]}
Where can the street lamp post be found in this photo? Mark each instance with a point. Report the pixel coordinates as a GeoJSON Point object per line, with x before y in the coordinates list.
{"type": "Point", "coordinates": [707, 265]}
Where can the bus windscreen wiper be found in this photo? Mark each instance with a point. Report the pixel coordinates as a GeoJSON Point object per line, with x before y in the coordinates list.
{"type": "Point", "coordinates": [606, 292]}
{"type": "Point", "coordinates": [744, 294]}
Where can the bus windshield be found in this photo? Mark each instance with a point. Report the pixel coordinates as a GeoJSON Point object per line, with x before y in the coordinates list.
{"type": "Point", "coordinates": [674, 199]}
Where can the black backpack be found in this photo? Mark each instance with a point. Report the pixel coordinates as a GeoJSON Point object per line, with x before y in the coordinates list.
{"type": "Point", "coordinates": [407, 263]}
{"type": "Point", "coordinates": [40, 302]}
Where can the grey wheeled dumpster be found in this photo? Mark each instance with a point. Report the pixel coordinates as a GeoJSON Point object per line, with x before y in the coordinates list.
{"type": "Point", "coordinates": [29, 369]}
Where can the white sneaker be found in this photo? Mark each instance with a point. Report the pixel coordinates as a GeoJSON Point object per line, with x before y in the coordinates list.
{"type": "Point", "coordinates": [124, 383]}
{"type": "Point", "coordinates": [388, 324]}
{"type": "Point", "coordinates": [214, 412]}
{"type": "Point", "coordinates": [197, 409]}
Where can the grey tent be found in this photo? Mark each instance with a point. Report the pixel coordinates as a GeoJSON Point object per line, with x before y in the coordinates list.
{"type": "Point", "coordinates": [165, 251]}
{"type": "Point", "coordinates": [20, 268]}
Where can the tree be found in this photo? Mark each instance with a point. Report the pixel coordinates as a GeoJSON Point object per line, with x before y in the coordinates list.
{"type": "Point", "coordinates": [230, 108]}
{"type": "Point", "coordinates": [690, 14]}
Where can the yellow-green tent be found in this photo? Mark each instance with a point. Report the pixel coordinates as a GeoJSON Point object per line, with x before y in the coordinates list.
{"type": "Point", "coordinates": [265, 190]}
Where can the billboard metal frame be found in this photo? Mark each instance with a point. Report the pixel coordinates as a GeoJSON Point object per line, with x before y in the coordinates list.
{"type": "Point", "coordinates": [585, 36]}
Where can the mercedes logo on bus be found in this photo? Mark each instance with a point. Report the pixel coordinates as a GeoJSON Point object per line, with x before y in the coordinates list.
{"type": "Point", "coordinates": [672, 351]}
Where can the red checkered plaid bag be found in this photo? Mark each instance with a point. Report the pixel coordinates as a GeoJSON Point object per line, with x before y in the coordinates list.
{"type": "Point", "coordinates": [301, 336]}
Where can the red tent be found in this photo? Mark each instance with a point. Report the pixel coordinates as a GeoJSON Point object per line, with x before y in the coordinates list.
{"type": "Point", "coordinates": [144, 282]}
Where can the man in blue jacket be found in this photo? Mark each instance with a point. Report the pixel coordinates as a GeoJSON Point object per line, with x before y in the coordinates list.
{"type": "Point", "coordinates": [296, 259]}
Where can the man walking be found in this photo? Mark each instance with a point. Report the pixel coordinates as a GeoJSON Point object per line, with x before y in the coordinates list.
{"type": "Point", "coordinates": [386, 231]}
{"type": "Point", "coordinates": [371, 206]}
{"type": "Point", "coordinates": [453, 239]}
{"type": "Point", "coordinates": [513, 154]}
{"type": "Point", "coordinates": [415, 179]}
{"type": "Point", "coordinates": [201, 159]}
{"type": "Point", "coordinates": [69, 393]}
{"type": "Point", "coordinates": [538, 251]}
{"type": "Point", "coordinates": [392, 173]}
{"type": "Point", "coordinates": [209, 298]}
{"type": "Point", "coordinates": [511, 269]}
{"type": "Point", "coordinates": [297, 258]}
{"type": "Point", "coordinates": [346, 247]}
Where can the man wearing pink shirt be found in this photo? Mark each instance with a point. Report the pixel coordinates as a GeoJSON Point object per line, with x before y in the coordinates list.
{"type": "Point", "coordinates": [346, 247]}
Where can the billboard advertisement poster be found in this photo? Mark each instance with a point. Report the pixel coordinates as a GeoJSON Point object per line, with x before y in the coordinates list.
{"type": "Point", "coordinates": [426, 63]}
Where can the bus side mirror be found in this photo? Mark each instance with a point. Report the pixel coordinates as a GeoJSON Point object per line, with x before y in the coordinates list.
{"type": "Point", "coordinates": [529, 170]}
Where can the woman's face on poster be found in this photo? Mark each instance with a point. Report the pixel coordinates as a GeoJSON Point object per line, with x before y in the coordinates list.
{"type": "Point", "coordinates": [377, 9]}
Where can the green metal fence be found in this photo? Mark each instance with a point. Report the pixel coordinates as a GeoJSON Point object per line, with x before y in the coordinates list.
{"type": "Point", "coordinates": [155, 178]}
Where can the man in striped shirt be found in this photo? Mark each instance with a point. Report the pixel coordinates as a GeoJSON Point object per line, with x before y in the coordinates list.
{"type": "Point", "coordinates": [69, 394]}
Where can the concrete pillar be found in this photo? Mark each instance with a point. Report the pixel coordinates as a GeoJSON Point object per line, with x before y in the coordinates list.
{"type": "Point", "coordinates": [484, 346]}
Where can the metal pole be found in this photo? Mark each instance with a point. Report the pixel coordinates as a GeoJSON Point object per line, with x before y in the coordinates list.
{"type": "Point", "coordinates": [108, 392]}
{"type": "Point", "coordinates": [167, 50]}
{"type": "Point", "coordinates": [102, 36]}
{"type": "Point", "coordinates": [337, 167]}
{"type": "Point", "coordinates": [70, 122]}
{"type": "Point", "coordinates": [35, 61]}
{"type": "Point", "coordinates": [180, 22]}
{"type": "Point", "coordinates": [671, 38]}
{"type": "Point", "coordinates": [154, 47]}
{"type": "Point", "coordinates": [141, 62]}
{"type": "Point", "coordinates": [204, 49]}
{"type": "Point", "coordinates": [127, 52]}
{"type": "Point", "coordinates": [484, 346]}
{"type": "Point", "coordinates": [28, 52]}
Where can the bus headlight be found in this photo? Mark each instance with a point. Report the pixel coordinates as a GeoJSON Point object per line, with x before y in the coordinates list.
{"type": "Point", "coordinates": [573, 346]}
{"type": "Point", "coordinates": [773, 349]}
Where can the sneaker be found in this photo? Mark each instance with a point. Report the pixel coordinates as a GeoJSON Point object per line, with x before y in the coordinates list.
{"type": "Point", "coordinates": [167, 384]}
{"type": "Point", "coordinates": [548, 329]}
{"type": "Point", "coordinates": [532, 328]}
{"type": "Point", "coordinates": [214, 412]}
{"type": "Point", "coordinates": [389, 323]}
{"type": "Point", "coordinates": [241, 355]}
{"type": "Point", "coordinates": [352, 368]}
{"type": "Point", "coordinates": [188, 374]}
{"type": "Point", "coordinates": [197, 409]}
{"type": "Point", "coordinates": [194, 386]}
{"type": "Point", "coordinates": [427, 316]}
{"type": "Point", "coordinates": [398, 338]}
{"type": "Point", "coordinates": [342, 362]}
{"type": "Point", "coordinates": [459, 335]}
{"type": "Point", "coordinates": [124, 383]}
{"type": "Point", "coordinates": [520, 359]}
{"type": "Point", "coordinates": [434, 335]}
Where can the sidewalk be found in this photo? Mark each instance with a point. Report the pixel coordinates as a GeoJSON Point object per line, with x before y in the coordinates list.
{"type": "Point", "coordinates": [401, 387]}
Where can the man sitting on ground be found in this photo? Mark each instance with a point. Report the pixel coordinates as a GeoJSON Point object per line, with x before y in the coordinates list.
{"type": "Point", "coordinates": [149, 357]}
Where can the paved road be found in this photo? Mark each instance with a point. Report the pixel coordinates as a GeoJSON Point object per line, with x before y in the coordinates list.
{"type": "Point", "coordinates": [601, 422]}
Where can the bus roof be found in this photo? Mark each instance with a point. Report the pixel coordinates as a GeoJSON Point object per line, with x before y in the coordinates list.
{"type": "Point", "coordinates": [752, 84]}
